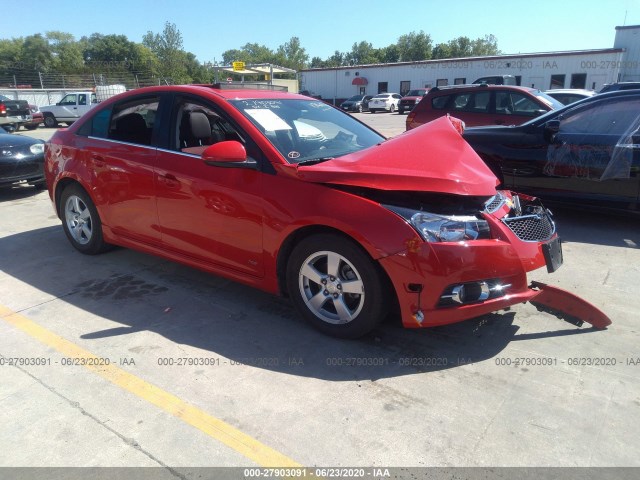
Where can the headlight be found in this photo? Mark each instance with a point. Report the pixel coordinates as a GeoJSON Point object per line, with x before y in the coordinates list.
{"type": "Point", "coordinates": [444, 228]}
{"type": "Point", "coordinates": [37, 148]}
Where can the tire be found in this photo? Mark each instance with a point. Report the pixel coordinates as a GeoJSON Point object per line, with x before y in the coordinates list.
{"type": "Point", "coordinates": [371, 110]}
{"type": "Point", "coordinates": [319, 270]}
{"type": "Point", "coordinates": [392, 108]}
{"type": "Point", "coordinates": [31, 127]}
{"type": "Point", "coordinates": [81, 221]}
{"type": "Point", "coordinates": [359, 108]}
{"type": "Point", "coordinates": [50, 121]}
{"type": "Point", "coordinates": [400, 110]}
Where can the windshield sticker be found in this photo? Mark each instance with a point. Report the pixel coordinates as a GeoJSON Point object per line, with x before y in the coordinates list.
{"type": "Point", "coordinates": [267, 119]}
{"type": "Point", "coordinates": [293, 155]}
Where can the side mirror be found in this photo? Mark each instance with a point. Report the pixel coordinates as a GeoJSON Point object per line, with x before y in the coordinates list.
{"type": "Point", "coordinates": [230, 153]}
{"type": "Point", "coordinates": [550, 129]}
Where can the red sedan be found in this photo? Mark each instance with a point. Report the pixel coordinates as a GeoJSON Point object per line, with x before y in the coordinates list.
{"type": "Point", "coordinates": [293, 196]}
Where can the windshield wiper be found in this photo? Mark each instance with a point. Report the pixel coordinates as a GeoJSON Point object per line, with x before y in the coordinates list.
{"type": "Point", "coordinates": [314, 161]}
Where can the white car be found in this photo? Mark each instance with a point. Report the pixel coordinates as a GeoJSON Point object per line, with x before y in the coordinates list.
{"type": "Point", "coordinates": [384, 101]}
{"type": "Point", "coordinates": [569, 95]}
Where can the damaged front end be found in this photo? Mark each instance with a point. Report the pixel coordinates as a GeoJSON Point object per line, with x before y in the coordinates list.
{"type": "Point", "coordinates": [475, 261]}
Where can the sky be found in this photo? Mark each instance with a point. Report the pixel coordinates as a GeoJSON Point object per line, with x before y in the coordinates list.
{"type": "Point", "coordinates": [209, 28]}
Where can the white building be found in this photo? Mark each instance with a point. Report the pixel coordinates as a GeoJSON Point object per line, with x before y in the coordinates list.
{"type": "Point", "coordinates": [569, 69]}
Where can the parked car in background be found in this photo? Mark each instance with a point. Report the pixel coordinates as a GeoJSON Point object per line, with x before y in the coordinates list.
{"type": "Point", "coordinates": [309, 93]}
{"type": "Point", "coordinates": [384, 102]}
{"type": "Point", "coordinates": [293, 196]}
{"type": "Point", "coordinates": [36, 118]}
{"type": "Point", "coordinates": [69, 109]}
{"type": "Point", "coordinates": [497, 80]}
{"type": "Point", "coordinates": [586, 154]}
{"type": "Point", "coordinates": [411, 99]}
{"type": "Point", "coordinates": [357, 103]}
{"type": "Point", "coordinates": [612, 87]}
{"type": "Point", "coordinates": [13, 113]}
{"type": "Point", "coordinates": [569, 95]}
{"type": "Point", "coordinates": [21, 160]}
{"type": "Point", "coordinates": [482, 104]}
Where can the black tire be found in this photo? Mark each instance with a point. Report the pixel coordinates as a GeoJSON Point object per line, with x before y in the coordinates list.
{"type": "Point", "coordinates": [392, 108]}
{"type": "Point", "coordinates": [371, 110]}
{"type": "Point", "coordinates": [324, 300]}
{"type": "Point", "coordinates": [81, 222]}
{"type": "Point", "coordinates": [31, 127]}
{"type": "Point", "coordinates": [50, 121]}
{"type": "Point", "coordinates": [400, 110]}
{"type": "Point", "coordinates": [359, 108]}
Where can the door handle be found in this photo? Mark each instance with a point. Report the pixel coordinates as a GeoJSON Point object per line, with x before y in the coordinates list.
{"type": "Point", "coordinates": [169, 180]}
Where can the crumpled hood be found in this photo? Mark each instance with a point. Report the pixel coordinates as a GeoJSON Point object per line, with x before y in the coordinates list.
{"type": "Point", "coordinates": [433, 158]}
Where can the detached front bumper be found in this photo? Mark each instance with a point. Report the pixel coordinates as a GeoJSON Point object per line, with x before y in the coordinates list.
{"type": "Point", "coordinates": [448, 282]}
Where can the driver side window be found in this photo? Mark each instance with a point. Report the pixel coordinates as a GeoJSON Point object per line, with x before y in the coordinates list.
{"type": "Point", "coordinates": [197, 126]}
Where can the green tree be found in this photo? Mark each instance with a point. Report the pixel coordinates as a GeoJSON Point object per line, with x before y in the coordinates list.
{"type": "Point", "coordinates": [167, 46]}
{"type": "Point", "coordinates": [460, 47]}
{"type": "Point", "coordinates": [361, 54]}
{"type": "Point", "coordinates": [67, 52]}
{"type": "Point", "coordinates": [415, 46]}
{"type": "Point", "coordinates": [292, 55]}
{"type": "Point", "coordinates": [488, 45]}
{"type": "Point", "coordinates": [441, 50]}
{"type": "Point", "coordinates": [36, 51]}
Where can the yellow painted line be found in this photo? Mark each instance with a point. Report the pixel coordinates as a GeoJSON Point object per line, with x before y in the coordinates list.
{"type": "Point", "coordinates": [214, 427]}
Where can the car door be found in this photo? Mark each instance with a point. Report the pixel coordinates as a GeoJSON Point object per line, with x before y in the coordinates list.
{"type": "Point", "coordinates": [68, 107]}
{"type": "Point", "coordinates": [473, 107]}
{"type": "Point", "coordinates": [84, 105]}
{"type": "Point", "coordinates": [590, 154]}
{"type": "Point", "coordinates": [119, 149]}
{"type": "Point", "coordinates": [208, 213]}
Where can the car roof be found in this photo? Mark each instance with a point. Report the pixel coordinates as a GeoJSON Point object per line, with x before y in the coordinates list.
{"type": "Point", "coordinates": [227, 92]}
{"type": "Point", "coordinates": [481, 86]}
{"type": "Point", "coordinates": [570, 90]}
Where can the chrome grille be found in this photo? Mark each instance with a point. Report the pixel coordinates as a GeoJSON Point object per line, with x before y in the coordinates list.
{"type": "Point", "coordinates": [531, 228]}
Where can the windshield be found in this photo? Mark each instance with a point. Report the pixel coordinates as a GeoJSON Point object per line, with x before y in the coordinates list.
{"type": "Point", "coordinates": [355, 98]}
{"type": "Point", "coordinates": [307, 130]}
{"type": "Point", "coordinates": [415, 93]}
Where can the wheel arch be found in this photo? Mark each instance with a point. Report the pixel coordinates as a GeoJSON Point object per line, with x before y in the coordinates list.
{"type": "Point", "coordinates": [299, 235]}
{"type": "Point", "coordinates": [60, 187]}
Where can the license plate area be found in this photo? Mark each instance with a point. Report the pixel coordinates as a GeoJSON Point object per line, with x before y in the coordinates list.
{"type": "Point", "coordinates": [552, 252]}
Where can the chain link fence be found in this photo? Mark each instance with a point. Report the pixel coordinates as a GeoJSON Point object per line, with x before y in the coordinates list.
{"type": "Point", "coordinates": [40, 80]}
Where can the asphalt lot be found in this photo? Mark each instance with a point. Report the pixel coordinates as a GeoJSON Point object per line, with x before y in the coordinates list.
{"type": "Point", "coordinates": [125, 359]}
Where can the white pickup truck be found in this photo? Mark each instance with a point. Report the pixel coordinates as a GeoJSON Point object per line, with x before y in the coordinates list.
{"type": "Point", "coordinates": [75, 104]}
{"type": "Point", "coordinates": [69, 109]}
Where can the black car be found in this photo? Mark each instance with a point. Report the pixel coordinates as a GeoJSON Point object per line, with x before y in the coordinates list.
{"type": "Point", "coordinates": [357, 103]}
{"type": "Point", "coordinates": [21, 160]}
{"type": "Point", "coordinates": [612, 87]}
{"type": "Point", "coordinates": [586, 154]}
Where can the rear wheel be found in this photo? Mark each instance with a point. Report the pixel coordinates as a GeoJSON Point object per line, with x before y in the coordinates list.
{"type": "Point", "coordinates": [392, 108]}
{"type": "Point", "coordinates": [336, 286]}
{"type": "Point", "coordinates": [359, 108]}
{"type": "Point", "coordinates": [81, 221]}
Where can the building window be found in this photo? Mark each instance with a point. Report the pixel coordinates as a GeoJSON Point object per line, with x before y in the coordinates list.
{"type": "Point", "coordinates": [405, 86]}
{"type": "Point", "coordinates": [383, 87]}
{"type": "Point", "coordinates": [460, 81]}
{"type": "Point", "coordinates": [442, 82]}
{"type": "Point", "coordinates": [557, 81]}
{"type": "Point", "coordinates": [578, 80]}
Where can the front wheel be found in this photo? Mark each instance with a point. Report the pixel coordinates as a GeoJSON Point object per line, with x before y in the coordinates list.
{"type": "Point", "coordinates": [81, 221]}
{"type": "Point", "coordinates": [50, 121]}
{"type": "Point", "coordinates": [336, 286]}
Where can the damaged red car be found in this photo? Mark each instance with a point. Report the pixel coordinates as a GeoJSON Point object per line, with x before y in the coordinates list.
{"type": "Point", "coordinates": [290, 195]}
